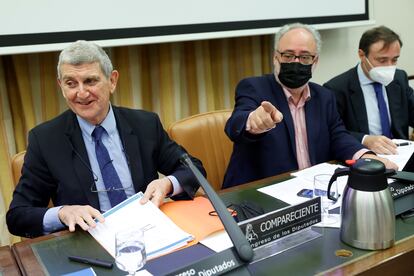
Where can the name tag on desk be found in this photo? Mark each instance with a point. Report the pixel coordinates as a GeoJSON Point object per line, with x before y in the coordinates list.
{"type": "Point", "coordinates": [281, 223]}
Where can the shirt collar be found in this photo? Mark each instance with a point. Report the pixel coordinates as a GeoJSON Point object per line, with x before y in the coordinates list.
{"type": "Point", "coordinates": [363, 79]}
{"type": "Point", "coordinates": [305, 94]}
{"type": "Point", "coordinates": [109, 124]}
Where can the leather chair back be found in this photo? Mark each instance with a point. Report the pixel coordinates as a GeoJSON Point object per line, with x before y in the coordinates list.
{"type": "Point", "coordinates": [203, 136]}
{"type": "Point", "coordinates": [17, 164]}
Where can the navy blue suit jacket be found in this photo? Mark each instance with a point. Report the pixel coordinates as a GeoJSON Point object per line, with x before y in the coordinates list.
{"type": "Point", "coordinates": [258, 156]}
{"type": "Point", "coordinates": [56, 166]}
{"type": "Point", "coordinates": [352, 109]}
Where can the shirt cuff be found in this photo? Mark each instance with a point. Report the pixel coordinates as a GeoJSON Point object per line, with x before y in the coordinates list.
{"type": "Point", "coordinates": [359, 153]}
{"type": "Point", "coordinates": [177, 189]}
{"type": "Point", "coordinates": [51, 221]}
{"type": "Point", "coordinates": [363, 138]}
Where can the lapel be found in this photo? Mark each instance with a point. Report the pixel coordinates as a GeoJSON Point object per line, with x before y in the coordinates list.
{"type": "Point", "coordinates": [80, 159]}
{"type": "Point", "coordinates": [130, 142]}
{"type": "Point", "coordinates": [312, 109]}
{"type": "Point", "coordinates": [357, 101]}
{"type": "Point", "coordinates": [280, 102]}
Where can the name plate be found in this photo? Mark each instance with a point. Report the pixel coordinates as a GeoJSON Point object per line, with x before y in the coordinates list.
{"type": "Point", "coordinates": [281, 223]}
{"type": "Point", "coordinates": [216, 264]}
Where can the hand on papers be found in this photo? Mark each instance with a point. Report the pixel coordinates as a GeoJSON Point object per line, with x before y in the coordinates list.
{"type": "Point", "coordinates": [265, 117]}
{"type": "Point", "coordinates": [380, 144]}
{"type": "Point", "coordinates": [82, 215]}
{"type": "Point", "coordinates": [157, 190]}
{"type": "Point", "coordinates": [388, 163]}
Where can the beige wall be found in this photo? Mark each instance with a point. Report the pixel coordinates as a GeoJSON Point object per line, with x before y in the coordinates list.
{"type": "Point", "coordinates": [339, 48]}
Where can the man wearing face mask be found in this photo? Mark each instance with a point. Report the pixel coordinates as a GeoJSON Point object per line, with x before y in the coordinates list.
{"type": "Point", "coordinates": [374, 98]}
{"type": "Point", "coordinates": [282, 122]}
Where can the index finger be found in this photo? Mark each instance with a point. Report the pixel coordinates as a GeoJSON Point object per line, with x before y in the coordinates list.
{"type": "Point", "coordinates": [97, 215]}
{"type": "Point", "coordinates": [268, 107]}
{"type": "Point", "coordinates": [147, 195]}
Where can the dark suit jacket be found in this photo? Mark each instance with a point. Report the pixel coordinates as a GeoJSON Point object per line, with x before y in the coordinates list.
{"type": "Point", "coordinates": [274, 152]}
{"type": "Point", "coordinates": [56, 166]}
{"type": "Point", "coordinates": [351, 103]}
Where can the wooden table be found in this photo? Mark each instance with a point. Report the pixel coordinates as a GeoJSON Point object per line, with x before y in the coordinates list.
{"type": "Point", "coordinates": [398, 260]}
{"type": "Point", "coordinates": [8, 265]}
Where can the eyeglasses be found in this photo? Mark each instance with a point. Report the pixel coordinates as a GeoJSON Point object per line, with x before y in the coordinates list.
{"type": "Point", "coordinates": [229, 207]}
{"type": "Point", "coordinates": [95, 176]}
{"type": "Point", "coordinates": [95, 189]}
{"type": "Point", "coordinates": [304, 59]}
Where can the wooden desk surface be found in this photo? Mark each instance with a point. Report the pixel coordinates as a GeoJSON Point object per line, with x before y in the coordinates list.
{"type": "Point", "coordinates": [8, 265]}
{"type": "Point", "coordinates": [393, 261]}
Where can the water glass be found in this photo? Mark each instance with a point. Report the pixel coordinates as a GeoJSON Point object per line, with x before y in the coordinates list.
{"type": "Point", "coordinates": [320, 189]}
{"type": "Point", "coordinates": [130, 252]}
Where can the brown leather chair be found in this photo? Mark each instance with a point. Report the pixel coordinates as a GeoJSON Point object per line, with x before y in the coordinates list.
{"type": "Point", "coordinates": [203, 136]}
{"type": "Point", "coordinates": [17, 164]}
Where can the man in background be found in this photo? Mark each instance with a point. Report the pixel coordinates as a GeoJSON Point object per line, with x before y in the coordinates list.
{"type": "Point", "coordinates": [282, 122]}
{"type": "Point", "coordinates": [95, 155]}
{"type": "Point", "coordinates": [374, 98]}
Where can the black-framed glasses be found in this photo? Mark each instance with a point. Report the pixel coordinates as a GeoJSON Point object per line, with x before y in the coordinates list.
{"type": "Point", "coordinates": [305, 59]}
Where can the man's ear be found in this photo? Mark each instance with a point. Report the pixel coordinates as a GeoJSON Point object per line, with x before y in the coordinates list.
{"type": "Point", "coordinates": [274, 59]}
{"type": "Point", "coordinates": [61, 89]}
{"type": "Point", "coordinates": [361, 54]}
{"type": "Point", "coordinates": [114, 80]}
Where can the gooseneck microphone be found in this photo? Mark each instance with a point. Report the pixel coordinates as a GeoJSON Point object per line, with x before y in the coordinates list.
{"type": "Point", "coordinates": [242, 246]}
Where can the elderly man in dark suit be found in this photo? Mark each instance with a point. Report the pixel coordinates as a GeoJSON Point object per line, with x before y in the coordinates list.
{"type": "Point", "coordinates": [282, 122]}
{"type": "Point", "coordinates": [374, 98]}
{"type": "Point", "coordinates": [94, 155]}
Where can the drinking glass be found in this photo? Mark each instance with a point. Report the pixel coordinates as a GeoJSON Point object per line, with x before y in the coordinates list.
{"type": "Point", "coordinates": [130, 252]}
{"type": "Point", "coordinates": [320, 188]}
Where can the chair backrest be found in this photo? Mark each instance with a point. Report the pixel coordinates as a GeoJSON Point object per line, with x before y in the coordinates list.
{"type": "Point", "coordinates": [203, 136]}
{"type": "Point", "coordinates": [17, 163]}
{"type": "Point", "coordinates": [411, 80]}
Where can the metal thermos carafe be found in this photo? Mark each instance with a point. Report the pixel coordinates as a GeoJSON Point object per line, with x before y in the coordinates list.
{"type": "Point", "coordinates": [367, 212]}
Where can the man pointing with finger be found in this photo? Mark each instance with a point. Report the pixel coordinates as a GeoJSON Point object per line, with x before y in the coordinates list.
{"type": "Point", "coordinates": [282, 122]}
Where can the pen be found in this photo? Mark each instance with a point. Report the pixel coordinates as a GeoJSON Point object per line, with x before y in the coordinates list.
{"type": "Point", "coordinates": [402, 144]}
{"type": "Point", "coordinates": [90, 261]}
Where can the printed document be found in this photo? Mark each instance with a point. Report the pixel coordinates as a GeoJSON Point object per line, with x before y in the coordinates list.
{"type": "Point", "coordinates": [161, 234]}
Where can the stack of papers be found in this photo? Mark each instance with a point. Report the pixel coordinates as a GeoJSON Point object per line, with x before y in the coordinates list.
{"type": "Point", "coordinates": [161, 234]}
{"type": "Point", "coordinates": [287, 190]}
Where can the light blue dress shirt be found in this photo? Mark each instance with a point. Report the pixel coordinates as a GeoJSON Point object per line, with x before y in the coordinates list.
{"type": "Point", "coordinates": [113, 143]}
{"type": "Point", "coordinates": [371, 103]}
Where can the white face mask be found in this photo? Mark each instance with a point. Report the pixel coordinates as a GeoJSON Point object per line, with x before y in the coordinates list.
{"type": "Point", "coordinates": [382, 74]}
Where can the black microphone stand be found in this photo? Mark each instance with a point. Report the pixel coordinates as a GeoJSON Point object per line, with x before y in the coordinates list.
{"type": "Point", "coordinates": [242, 246]}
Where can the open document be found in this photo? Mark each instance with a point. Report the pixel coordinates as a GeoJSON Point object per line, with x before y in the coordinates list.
{"type": "Point", "coordinates": [161, 234]}
{"type": "Point", "coordinates": [404, 151]}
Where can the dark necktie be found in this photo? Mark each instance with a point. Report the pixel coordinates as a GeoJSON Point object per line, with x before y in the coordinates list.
{"type": "Point", "coordinates": [382, 107]}
{"type": "Point", "coordinates": [113, 184]}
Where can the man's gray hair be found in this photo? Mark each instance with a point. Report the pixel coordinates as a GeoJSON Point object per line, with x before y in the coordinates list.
{"type": "Point", "coordinates": [81, 52]}
{"type": "Point", "coordinates": [288, 27]}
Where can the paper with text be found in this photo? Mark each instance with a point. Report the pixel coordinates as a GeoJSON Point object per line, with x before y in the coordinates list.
{"type": "Point", "coordinates": [161, 234]}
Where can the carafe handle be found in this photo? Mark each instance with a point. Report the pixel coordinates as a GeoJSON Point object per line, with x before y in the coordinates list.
{"type": "Point", "coordinates": [338, 172]}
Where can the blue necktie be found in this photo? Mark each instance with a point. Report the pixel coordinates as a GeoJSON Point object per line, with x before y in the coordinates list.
{"type": "Point", "coordinates": [109, 174]}
{"type": "Point", "coordinates": [382, 107]}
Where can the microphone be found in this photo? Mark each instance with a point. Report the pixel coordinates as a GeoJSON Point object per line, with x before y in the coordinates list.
{"type": "Point", "coordinates": [242, 246]}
